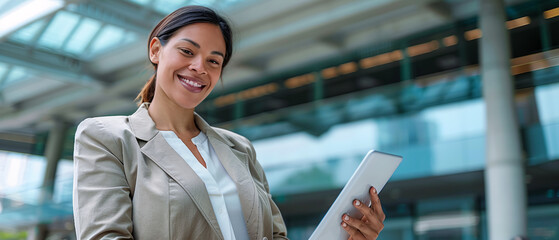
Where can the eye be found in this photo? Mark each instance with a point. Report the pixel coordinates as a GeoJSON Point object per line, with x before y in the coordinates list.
{"type": "Point", "coordinates": [214, 62]}
{"type": "Point", "coordinates": [186, 51]}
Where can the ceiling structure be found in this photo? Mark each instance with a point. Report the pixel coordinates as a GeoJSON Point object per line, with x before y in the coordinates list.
{"type": "Point", "coordinates": [82, 58]}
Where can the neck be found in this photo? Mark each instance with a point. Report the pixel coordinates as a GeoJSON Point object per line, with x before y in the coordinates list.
{"type": "Point", "coordinates": [168, 116]}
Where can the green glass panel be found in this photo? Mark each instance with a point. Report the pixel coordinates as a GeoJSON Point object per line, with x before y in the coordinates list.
{"type": "Point", "coordinates": [83, 36]}
{"type": "Point", "coordinates": [58, 30]}
{"type": "Point", "coordinates": [110, 36]}
{"type": "Point", "coordinates": [168, 6]}
{"type": "Point", "coordinates": [15, 75]}
{"type": "Point", "coordinates": [27, 34]}
{"type": "Point", "coordinates": [140, 2]}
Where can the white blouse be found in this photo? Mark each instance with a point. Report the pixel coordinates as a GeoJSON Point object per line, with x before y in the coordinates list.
{"type": "Point", "coordinates": [221, 188]}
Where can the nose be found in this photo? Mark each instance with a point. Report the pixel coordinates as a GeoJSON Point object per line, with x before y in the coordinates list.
{"type": "Point", "coordinates": [197, 65]}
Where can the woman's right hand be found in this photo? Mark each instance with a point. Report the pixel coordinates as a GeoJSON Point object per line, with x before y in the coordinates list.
{"type": "Point", "coordinates": [370, 225]}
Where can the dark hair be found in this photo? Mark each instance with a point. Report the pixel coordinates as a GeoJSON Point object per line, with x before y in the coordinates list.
{"type": "Point", "coordinates": [184, 16]}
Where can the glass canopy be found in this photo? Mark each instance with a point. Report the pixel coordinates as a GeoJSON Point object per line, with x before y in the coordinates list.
{"type": "Point", "coordinates": [72, 34]}
{"type": "Point", "coordinates": [167, 6]}
{"type": "Point", "coordinates": [69, 32]}
{"type": "Point", "coordinates": [37, 36]}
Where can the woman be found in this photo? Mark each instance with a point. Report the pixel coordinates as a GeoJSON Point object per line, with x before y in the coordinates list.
{"type": "Point", "coordinates": [163, 172]}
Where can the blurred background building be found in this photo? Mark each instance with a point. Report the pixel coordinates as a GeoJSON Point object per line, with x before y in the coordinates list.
{"type": "Point", "coordinates": [314, 84]}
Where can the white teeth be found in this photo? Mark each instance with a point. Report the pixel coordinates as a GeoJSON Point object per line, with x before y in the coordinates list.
{"type": "Point", "coordinates": [191, 83]}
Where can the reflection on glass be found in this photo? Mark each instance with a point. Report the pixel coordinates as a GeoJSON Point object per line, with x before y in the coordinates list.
{"type": "Point", "coordinates": [433, 142]}
{"type": "Point", "coordinates": [21, 191]}
{"type": "Point", "coordinates": [22, 172]}
{"type": "Point", "coordinates": [547, 97]}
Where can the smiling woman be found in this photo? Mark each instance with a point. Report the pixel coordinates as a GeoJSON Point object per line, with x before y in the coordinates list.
{"type": "Point", "coordinates": [188, 65]}
{"type": "Point", "coordinates": [163, 172]}
{"type": "Point", "coordinates": [169, 27]}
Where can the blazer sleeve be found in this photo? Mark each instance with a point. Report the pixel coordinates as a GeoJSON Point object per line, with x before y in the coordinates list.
{"type": "Point", "coordinates": [279, 228]}
{"type": "Point", "coordinates": [101, 194]}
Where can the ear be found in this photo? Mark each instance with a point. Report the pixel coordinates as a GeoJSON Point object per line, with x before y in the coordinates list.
{"type": "Point", "coordinates": [154, 49]}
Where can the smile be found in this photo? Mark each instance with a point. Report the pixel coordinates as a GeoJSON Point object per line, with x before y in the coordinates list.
{"type": "Point", "coordinates": [192, 85]}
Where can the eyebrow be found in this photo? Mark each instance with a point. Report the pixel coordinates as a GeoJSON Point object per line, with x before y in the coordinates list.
{"type": "Point", "coordinates": [198, 46]}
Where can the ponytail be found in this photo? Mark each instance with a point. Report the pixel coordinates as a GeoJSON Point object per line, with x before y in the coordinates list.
{"type": "Point", "coordinates": [146, 95]}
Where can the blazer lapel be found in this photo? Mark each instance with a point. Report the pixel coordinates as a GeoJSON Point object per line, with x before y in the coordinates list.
{"type": "Point", "coordinates": [164, 156]}
{"type": "Point", "coordinates": [236, 165]}
{"type": "Point", "coordinates": [160, 152]}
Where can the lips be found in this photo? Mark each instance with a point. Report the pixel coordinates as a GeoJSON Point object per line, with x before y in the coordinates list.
{"type": "Point", "coordinates": [191, 84]}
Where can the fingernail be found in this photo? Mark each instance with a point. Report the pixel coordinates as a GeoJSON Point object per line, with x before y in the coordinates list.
{"type": "Point", "coordinates": [374, 190]}
{"type": "Point", "coordinates": [357, 203]}
{"type": "Point", "coordinates": [344, 224]}
{"type": "Point", "coordinates": [346, 217]}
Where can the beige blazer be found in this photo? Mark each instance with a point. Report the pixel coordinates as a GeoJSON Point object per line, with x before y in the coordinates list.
{"type": "Point", "coordinates": [130, 184]}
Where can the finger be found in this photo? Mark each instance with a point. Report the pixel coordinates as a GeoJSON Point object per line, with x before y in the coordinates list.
{"type": "Point", "coordinates": [370, 229]}
{"type": "Point", "coordinates": [374, 223]}
{"type": "Point", "coordinates": [364, 219]}
{"type": "Point", "coordinates": [354, 234]}
{"type": "Point", "coordinates": [376, 205]}
{"type": "Point", "coordinates": [367, 212]}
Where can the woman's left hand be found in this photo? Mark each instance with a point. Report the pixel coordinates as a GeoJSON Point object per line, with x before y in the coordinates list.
{"type": "Point", "coordinates": [370, 225]}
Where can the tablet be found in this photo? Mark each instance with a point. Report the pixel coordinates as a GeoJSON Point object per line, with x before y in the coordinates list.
{"type": "Point", "coordinates": [375, 170]}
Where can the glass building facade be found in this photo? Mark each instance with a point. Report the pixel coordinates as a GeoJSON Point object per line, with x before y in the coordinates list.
{"type": "Point", "coordinates": [419, 97]}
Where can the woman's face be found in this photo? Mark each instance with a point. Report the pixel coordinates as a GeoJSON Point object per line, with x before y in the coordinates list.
{"type": "Point", "coordinates": [189, 65]}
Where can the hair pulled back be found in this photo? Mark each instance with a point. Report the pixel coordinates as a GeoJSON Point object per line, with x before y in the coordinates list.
{"type": "Point", "coordinates": [184, 16]}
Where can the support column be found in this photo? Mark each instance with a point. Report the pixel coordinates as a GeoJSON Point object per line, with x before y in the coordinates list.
{"type": "Point", "coordinates": [318, 87]}
{"type": "Point", "coordinates": [504, 175]}
{"type": "Point", "coordinates": [405, 64]}
{"type": "Point", "coordinates": [544, 32]}
{"type": "Point", "coordinates": [238, 111]}
{"type": "Point", "coordinates": [53, 153]}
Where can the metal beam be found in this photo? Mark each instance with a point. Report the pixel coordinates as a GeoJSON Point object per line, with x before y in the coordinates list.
{"type": "Point", "coordinates": [7, 5]}
{"type": "Point", "coordinates": [70, 69]}
{"type": "Point", "coordinates": [122, 14]}
{"type": "Point", "coordinates": [85, 106]}
{"type": "Point", "coordinates": [441, 8]}
{"type": "Point", "coordinates": [18, 18]}
{"type": "Point", "coordinates": [132, 54]}
{"type": "Point", "coordinates": [29, 112]}
{"type": "Point", "coordinates": [31, 44]}
{"type": "Point", "coordinates": [314, 22]}
{"type": "Point", "coordinates": [87, 49]}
